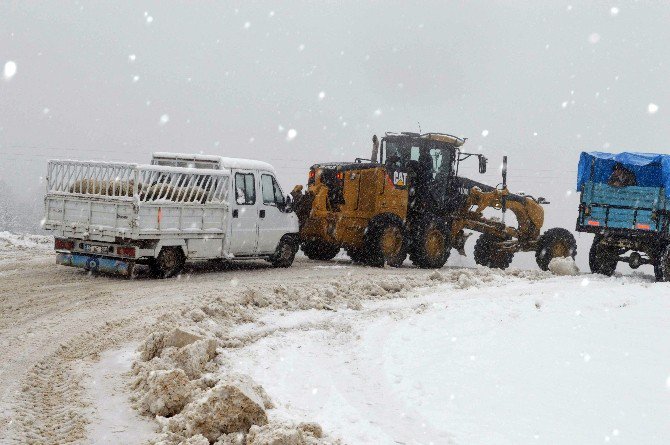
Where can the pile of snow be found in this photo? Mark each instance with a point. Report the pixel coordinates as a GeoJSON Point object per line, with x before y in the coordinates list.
{"type": "Point", "coordinates": [24, 241]}
{"type": "Point", "coordinates": [563, 266]}
{"type": "Point", "coordinates": [179, 380]}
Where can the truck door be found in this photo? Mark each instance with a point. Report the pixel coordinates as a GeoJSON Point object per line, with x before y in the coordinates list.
{"type": "Point", "coordinates": [272, 220]}
{"type": "Point", "coordinates": [244, 221]}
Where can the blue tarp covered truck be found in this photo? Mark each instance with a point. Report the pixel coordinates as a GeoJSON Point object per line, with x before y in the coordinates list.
{"type": "Point", "coordinates": [625, 202]}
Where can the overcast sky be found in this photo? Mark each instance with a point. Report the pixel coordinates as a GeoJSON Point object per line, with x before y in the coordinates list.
{"type": "Point", "coordinates": [537, 80]}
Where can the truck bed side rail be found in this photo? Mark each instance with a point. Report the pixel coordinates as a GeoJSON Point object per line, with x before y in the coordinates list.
{"type": "Point", "coordinates": [138, 183]}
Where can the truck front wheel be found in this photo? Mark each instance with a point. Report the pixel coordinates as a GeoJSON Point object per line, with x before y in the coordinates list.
{"type": "Point", "coordinates": [168, 263]}
{"type": "Point", "coordinates": [285, 253]}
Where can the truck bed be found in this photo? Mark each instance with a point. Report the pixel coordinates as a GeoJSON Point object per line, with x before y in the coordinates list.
{"type": "Point", "coordinates": [623, 208]}
{"type": "Point", "coordinates": [105, 201]}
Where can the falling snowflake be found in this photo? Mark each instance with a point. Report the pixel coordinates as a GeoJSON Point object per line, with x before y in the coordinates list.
{"type": "Point", "coordinates": [614, 11]}
{"type": "Point", "coordinates": [46, 111]}
{"type": "Point", "coordinates": [164, 119]}
{"type": "Point", "coordinates": [301, 47]}
{"type": "Point", "coordinates": [652, 108]}
{"type": "Point", "coordinates": [136, 78]}
{"type": "Point", "coordinates": [150, 20]}
{"type": "Point", "coordinates": [132, 57]}
{"type": "Point", "coordinates": [10, 69]}
{"type": "Point", "coordinates": [594, 38]}
{"type": "Point", "coordinates": [291, 134]}
{"type": "Point", "coordinates": [485, 133]}
{"type": "Point", "coordinates": [378, 112]}
{"type": "Point", "coordinates": [322, 95]}
{"type": "Point", "coordinates": [247, 25]}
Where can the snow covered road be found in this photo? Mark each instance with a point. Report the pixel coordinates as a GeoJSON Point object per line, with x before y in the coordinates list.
{"type": "Point", "coordinates": [576, 360]}
{"type": "Point", "coordinates": [376, 356]}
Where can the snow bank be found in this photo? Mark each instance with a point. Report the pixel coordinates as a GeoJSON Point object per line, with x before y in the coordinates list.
{"type": "Point", "coordinates": [23, 241]}
{"type": "Point", "coordinates": [563, 266]}
{"type": "Point", "coordinates": [179, 380]}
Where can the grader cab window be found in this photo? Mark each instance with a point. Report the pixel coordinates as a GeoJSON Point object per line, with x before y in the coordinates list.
{"type": "Point", "coordinates": [397, 155]}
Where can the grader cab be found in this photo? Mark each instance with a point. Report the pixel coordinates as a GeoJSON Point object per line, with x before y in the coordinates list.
{"type": "Point", "coordinates": [408, 199]}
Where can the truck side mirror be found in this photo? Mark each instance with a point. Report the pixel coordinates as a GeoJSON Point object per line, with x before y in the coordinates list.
{"type": "Point", "coordinates": [288, 204]}
{"type": "Point", "coordinates": [482, 164]}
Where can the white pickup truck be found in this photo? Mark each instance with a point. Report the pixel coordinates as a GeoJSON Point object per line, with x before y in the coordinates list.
{"type": "Point", "coordinates": [110, 216]}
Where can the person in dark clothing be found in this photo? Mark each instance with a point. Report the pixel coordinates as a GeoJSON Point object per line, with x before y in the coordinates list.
{"type": "Point", "coordinates": [621, 177]}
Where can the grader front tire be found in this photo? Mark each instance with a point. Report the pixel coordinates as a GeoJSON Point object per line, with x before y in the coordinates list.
{"type": "Point", "coordinates": [555, 243]}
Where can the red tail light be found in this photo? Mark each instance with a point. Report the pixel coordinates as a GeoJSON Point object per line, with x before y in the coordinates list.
{"type": "Point", "coordinates": [126, 251]}
{"type": "Point", "coordinates": [312, 177]}
{"type": "Point", "coordinates": [63, 244]}
{"type": "Point", "coordinates": [340, 176]}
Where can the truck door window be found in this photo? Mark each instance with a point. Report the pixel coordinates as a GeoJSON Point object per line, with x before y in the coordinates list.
{"type": "Point", "coordinates": [272, 194]}
{"type": "Point", "coordinates": [245, 189]}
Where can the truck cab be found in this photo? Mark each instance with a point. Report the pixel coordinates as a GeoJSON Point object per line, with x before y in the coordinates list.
{"type": "Point", "coordinates": [259, 212]}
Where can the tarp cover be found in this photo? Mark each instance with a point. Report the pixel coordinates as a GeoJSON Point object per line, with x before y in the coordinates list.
{"type": "Point", "coordinates": [651, 170]}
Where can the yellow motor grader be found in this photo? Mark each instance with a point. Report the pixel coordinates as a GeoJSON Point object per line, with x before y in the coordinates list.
{"type": "Point", "coordinates": [408, 199]}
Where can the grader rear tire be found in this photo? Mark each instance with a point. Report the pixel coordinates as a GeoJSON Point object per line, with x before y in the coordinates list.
{"type": "Point", "coordinates": [385, 242]}
{"type": "Point", "coordinates": [555, 243]}
{"type": "Point", "coordinates": [432, 243]}
{"type": "Point", "coordinates": [319, 250]}
{"type": "Point", "coordinates": [487, 253]}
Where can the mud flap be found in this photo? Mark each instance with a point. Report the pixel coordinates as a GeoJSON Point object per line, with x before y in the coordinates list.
{"type": "Point", "coordinates": [96, 263]}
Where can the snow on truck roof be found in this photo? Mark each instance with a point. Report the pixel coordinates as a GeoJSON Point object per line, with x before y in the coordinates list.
{"type": "Point", "coordinates": [224, 162]}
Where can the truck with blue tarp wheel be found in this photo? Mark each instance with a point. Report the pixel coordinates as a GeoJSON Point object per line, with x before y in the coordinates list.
{"type": "Point", "coordinates": [625, 203]}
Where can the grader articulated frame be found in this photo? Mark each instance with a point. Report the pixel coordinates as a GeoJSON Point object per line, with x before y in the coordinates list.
{"type": "Point", "coordinates": [409, 199]}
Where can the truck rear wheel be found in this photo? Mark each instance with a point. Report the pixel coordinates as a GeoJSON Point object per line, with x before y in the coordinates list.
{"type": "Point", "coordinates": [168, 263]}
{"type": "Point", "coordinates": [555, 243]}
{"type": "Point", "coordinates": [385, 242]}
{"type": "Point", "coordinates": [320, 250]}
{"type": "Point", "coordinates": [602, 258]}
{"type": "Point", "coordinates": [432, 244]}
{"type": "Point", "coordinates": [488, 253]}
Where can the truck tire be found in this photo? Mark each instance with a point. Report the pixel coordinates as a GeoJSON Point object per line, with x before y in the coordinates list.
{"type": "Point", "coordinates": [487, 253]}
{"type": "Point", "coordinates": [662, 268]}
{"type": "Point", "coordinates": [602, 258]}
{"type": "Point", "coordinates": [169, 262]}
{"type": "Point", "coordinates": [320, 250]}
{"type": "Point", "coordinates": [357, 254]}
{"type": "Point", "coordinates": [385, 241]}
{"type": "Point", "coordinates": [555, 243]}
{"type": "Point", "coordinates": [285, 253]}
{"type": "Point", "coordinates": [431, 244]}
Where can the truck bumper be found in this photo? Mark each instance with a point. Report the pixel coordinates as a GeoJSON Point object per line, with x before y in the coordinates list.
{"type": "Point", "coordinates": [95, 263]}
